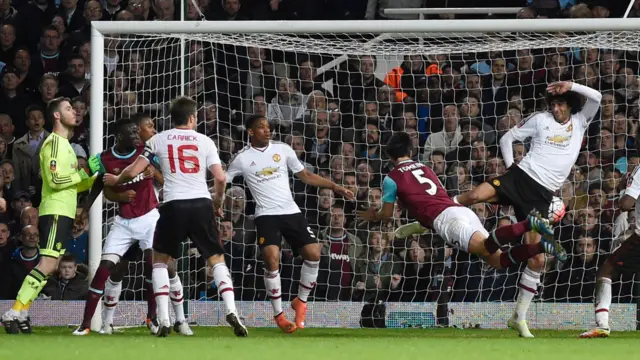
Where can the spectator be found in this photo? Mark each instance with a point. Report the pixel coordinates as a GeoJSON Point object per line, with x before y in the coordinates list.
{"type": "Point", "coordinates": [287, 106]}
{"type": "Point", "coordinates": [7, 247]}
{"type": "Point", "coordinates": [377, 270]}
{"type": "Point", "coordinates": [8, 44]}
{"type": "Point", "coordinates": [26, 149]}
{"type": "Point", "coordinates": [447, 139]}
{"type": "Point", "coordinates": [49, 60]}
{"type": "Point", "coordinates": [73, 81]}
{"type": "Point", "coordinates": [342, 248]}
{"type": "Point", "coordinates": [77, 245]}
{"type": "Point", "coordinates": [21, 262]}
{"type": "Point", "coordinates": [67, 283]}
{"type": "Point", "coordinates": [12, 99]}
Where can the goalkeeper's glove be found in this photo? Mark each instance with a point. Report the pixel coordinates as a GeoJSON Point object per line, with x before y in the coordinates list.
{"type": "Point", "coordinates": [95, 165]}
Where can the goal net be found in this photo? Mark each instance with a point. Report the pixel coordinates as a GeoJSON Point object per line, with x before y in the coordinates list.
{"type": "Point", "coordinates": [336, 99]}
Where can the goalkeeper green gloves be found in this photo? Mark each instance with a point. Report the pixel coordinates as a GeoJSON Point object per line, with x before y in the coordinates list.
{"type": "Point", "coordinates": [95, 165]}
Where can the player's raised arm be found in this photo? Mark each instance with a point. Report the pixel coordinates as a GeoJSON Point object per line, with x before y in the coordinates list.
{"type": "Point", "coordinates": [590, 108]}
{"type": "Point", "coordinates": [312, 179]}
{"type": "Point", "coordinates": [527, 128]}
{"type": "Point", "coordinates": [389, 193]}
{"type": "Point", "coordinates": [135, 169]}
{"type": "Point", "coordinates": [58, 178]}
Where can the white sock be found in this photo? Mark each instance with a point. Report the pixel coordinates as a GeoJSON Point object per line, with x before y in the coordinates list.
{"type": "Point", "coordinates": [160, 278]}
{"type": "Point", "coordinates": [272, 285]}
{"type": "Point", "coordinates": [177, 298]}
{"type": "Point", "coordinates": [308, 277]}
{"type": "Point", "coordinates": [603, 302]}
{"type": "Point", "coordinates": [110, 299]}
{"type": "Point", "coordinates": [222, 278]}
{"type": "Point", "coordinates": [528, 287]}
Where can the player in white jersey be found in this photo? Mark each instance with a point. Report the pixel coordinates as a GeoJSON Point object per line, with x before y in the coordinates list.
{"type": "Point", "coordinates": [624, 260]}
{"type": "Point", "coordinates": [184, 156]}
{"type": "Point", "coordinates": [556, 139]}
{"type": "Point", "coordinates": [265, 166]}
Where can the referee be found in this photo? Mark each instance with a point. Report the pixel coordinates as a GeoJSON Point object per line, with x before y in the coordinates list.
{"type": "Point", "coordinates": [61, 182]}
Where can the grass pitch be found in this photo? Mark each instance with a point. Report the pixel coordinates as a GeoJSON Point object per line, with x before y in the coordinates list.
{"type": "Point", "coordinates": [326, 344]}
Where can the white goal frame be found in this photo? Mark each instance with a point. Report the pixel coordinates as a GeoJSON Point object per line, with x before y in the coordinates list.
{"type": "Point", "coordinates": [387, 27]}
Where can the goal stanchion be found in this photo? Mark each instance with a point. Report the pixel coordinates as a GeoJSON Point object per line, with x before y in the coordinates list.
{"type": "Point", "coordinates": [224, 72]}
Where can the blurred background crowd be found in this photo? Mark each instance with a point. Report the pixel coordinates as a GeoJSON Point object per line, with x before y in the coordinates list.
{"type": "Point", "coordinates": [455, 106]}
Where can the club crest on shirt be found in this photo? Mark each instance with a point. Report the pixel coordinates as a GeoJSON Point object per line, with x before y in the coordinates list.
{"type": "Point", "coordinates": [261, 240]}
{"type": "Point", "coordinates": [53, 165]}
{"type": "Point", "coordinates": [570, 128]}
{"type": "Point", "coordinates": [496, 182]}
{"type": "Point", "coordinates": [276, 157]}
{"type": "Point", "coordinates": [116, 171]}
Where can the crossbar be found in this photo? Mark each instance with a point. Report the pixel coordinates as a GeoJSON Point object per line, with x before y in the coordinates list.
{"type": "Point", "coordinates": [456, 11]}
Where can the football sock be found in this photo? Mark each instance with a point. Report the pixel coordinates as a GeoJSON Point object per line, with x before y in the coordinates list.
{"type": "Point", "coordinates": [177, 298]}
{"type": "Point", "coordinates": [31, 287]}
{"type": "Point", "coordinates": [96, 289]}
{"type": "Point", "coordinates": [272, 285]}
{"type": "Point", "coordinates": [222, 278]}
{"type": "Point", "coordinates": [148, 284]}
{"type": "Point", "coordinates": [603, 302]}
{"type": "Point", "coordinates": [519, 254]}
{"type": "Point", "coordinates": [160, 277]}
{"type": "Point", "coordinates": [110, 300]}
{"type": "Point", "coordinates": [528, 287]}
{"type": "Point", "coordinates": [308, 277]}
{"type": "Point", "coordinates": [505, 235]}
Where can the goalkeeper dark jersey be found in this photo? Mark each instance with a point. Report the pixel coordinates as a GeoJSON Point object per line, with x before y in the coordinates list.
{"type": "Point", "coordinates": [60, 177]}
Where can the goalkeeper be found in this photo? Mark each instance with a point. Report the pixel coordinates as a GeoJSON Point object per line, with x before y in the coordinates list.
{"type": "Point", "coordinates": [61, 182]}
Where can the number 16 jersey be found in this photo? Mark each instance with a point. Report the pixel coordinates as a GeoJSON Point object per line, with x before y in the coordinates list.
{"type": "Point", "coordinates": [184, 157]}
{"type": "Point", "coordinates": [418, 190]}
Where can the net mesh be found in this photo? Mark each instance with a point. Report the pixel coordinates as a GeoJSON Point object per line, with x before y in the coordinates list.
{"type": "Point", "coordinates": [337, 98]}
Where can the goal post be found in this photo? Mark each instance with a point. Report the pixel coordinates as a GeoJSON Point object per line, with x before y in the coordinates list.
{"type": "Point", "coordinates": [336, 42]}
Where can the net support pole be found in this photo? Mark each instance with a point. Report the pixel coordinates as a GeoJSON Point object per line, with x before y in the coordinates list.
{"type": "Point", "coordinates": [95, 145]}
{"type": "Point", "coordinates": [626, 13]}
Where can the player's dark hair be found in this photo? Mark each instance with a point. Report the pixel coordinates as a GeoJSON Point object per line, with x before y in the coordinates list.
{"type": "Point", "coordinates": [181, 109]}
{"type": "Point", "coordinates": [122, 124]}
{"type": "Point", "coordinates": [399, 145]}
{"type": "Point", "coordinates": [54, 107]}
{"type": "Point", "coordinates": [252, 120]}
{"type": "Point", "coordinates": [572, 100]}
{"type": "Point", "coordinates": [139, 117]}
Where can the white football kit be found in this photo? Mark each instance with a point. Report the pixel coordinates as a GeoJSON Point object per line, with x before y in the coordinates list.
{"type": "Point", "coordinates": [554, 147]}
{"type": "Point", "coordinates": [266, 172]}
{"type": "Point", "coordinates": [184, 157]}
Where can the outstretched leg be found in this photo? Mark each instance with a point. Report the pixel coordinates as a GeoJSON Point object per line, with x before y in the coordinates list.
{"type": "Point", "coordinates": [96, 291]}
{"type": "Point", "coordinates": [484, 192]}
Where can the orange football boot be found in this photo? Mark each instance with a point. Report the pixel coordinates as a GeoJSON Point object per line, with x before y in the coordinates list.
{"type": "Point", "coordinates": [300, 307]}
{"type": "Point", "coordinates": [284, 324]}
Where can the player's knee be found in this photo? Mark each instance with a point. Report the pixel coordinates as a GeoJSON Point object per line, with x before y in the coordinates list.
{"type": "Point", "coordinates": [271, 255]}
{"type": "Point", "coordinates": [215, 259]}
{"type": "Point", "coordinates": [47, 265]}
{"type": "Point", "coordinates": [311, 252]}
{"type": "Point", "coordinates": [536, 263]}
{"type": "Point", "coordinates": [109, 261]}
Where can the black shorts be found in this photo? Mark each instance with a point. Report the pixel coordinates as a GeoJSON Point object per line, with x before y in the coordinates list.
{"type": "Point", "coordinates": [270, 229]}
{"type": "Point", "coordinates": [54, 231]}
{"type": "Point", "coordinates": [626, 258]}
{"type": "Point", "coordinates": [182, 219]}
{"type": "Point", "coordinates": [519, 190]}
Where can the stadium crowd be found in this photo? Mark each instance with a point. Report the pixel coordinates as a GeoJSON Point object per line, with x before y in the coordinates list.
{"type": "Point", "coordinates": [455, 108]}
